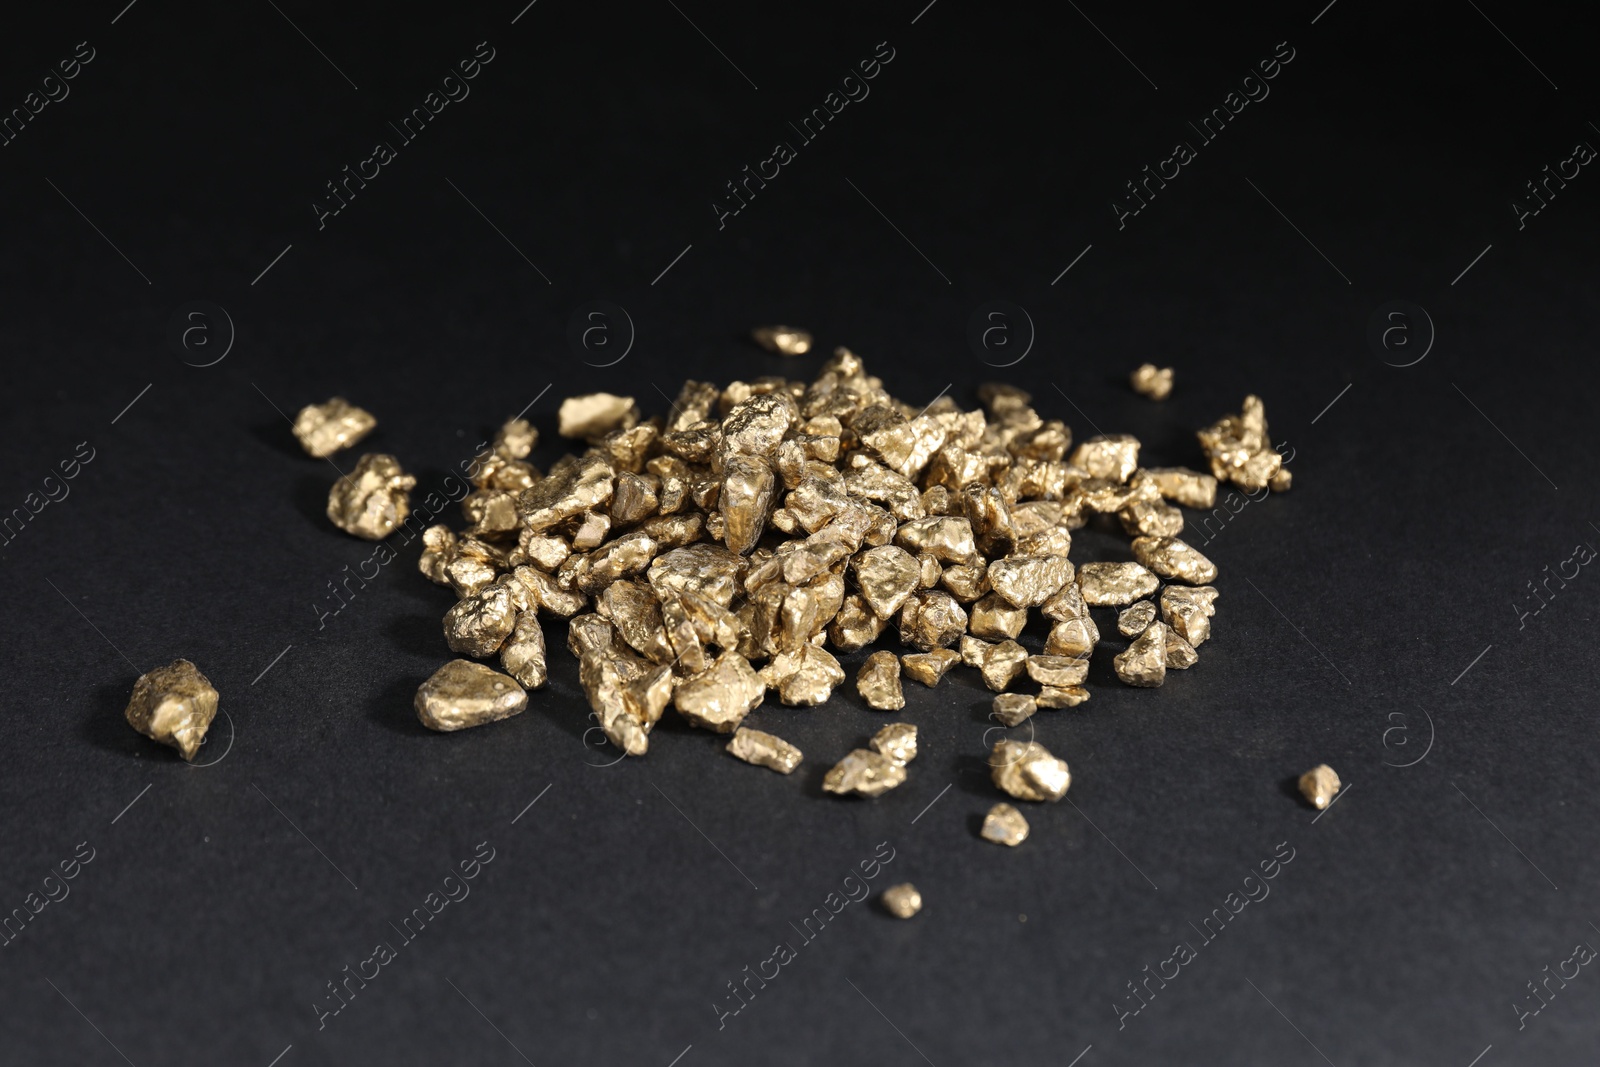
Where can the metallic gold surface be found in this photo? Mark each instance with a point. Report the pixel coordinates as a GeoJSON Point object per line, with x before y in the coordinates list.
{"type": "Point", "coordinates": [372, 499]}
{"type": "Point", "coordinates": [719, 697]}
{"type": "Point", "coordinates": [1003, 663]}
{"type": "Point", "coordinates": [596, 414]}
{"type": "Point", "coordinates": [173, 705]}
{"type": "Point", "coordinates": [864, 772]}
{"type": "Point", "coordinates": [764, 750]}
{"type": "Point", "coordinates": [1144, 662]}
{"type": "Point", "coordinates": [462, 694]}
{"type": "Point", "coordinates": [1152, 381]}
{"type": "Point", "coordinates": [784, 340]}
{"type": "Point", "coordinates": [323, 429]}
{"type": "Point", "coordinates": [929, 667]}
{"type": "Point", "coordinates": [1175, 560]}
{"type": "Point", "coordinates": [897, 740]}
{"type": "Point", "coordinates": [878, 682]}
{"type": "Point", "coordinates": [1318, 785]}
{"type": "Point", "coordinates": [1133, 619]}
{"type": "Point", "coordinates": [1115, 584]}
{"type": "Point", "coordinates": [902, 901]}
{"type": "Point", "coordinates": [1012, 709]}
{"type": "Point", "coordinates": [1004, 825]}
{"type": "Point", "coordinates": [1027, 771]}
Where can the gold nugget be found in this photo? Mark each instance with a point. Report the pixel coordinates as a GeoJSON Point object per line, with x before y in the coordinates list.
{"type": "Point", "coordinates": [784, 340]}
{"type": "Point", "coordinates": [878, 682]}
{"type": "Point", "coordinates": [1012, 709]}
{"type": "Point", "coordinates": [1027, 771]}
{"type": "Point", "coordinates": [1004, 825]}
{"type": "Point", "coordinates": [865, 772]}
{"type": "Point", "coordinates": [323, 429]}
{"type": "Point", "coordinates": [174, 705]}
{"type": "Point", "coordinates": [1318, 785]}
{"type": "Point", "coordinates": [764, 750]}
{"type": "Point", "coordinates": [462, 694]}
{"type": "Point", "coordinates": [1152, 381]}
{"type": "Point", "coordinates": [902, 901]}
{"type": "Point", "coordinates": [372, 500]}
{"type": "Point", "coordinates": [898, 741]}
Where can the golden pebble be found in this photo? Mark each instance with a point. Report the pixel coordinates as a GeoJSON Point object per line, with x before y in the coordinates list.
{"type": "Point", "coordinates": [372, 500]}
{"type": "Point", "coordinates": [1318, 785]}
{"type": "Point", "coordinates": [1012, 709]}
{"type": "Point", "coordinates": [897, 740]}
{"type": "Point", "coordinates": [1027, 771]}
{"type": "Point", "coordinates": [1144, 662]}
{"type": "Point", "coordinates": [902, 901]}
{"type": "Point", "coordinates": [864, 772]}
{"type": "Point", "coordinates": [1136, 617]}
{"type": "Point", "coordinates": [173, 705]}
{"type": "Point", "coordinates": [878, 682]}
{"type": "Point", "coordinates": [929, 667]}
{"type": "Point", "coordinates": [462, 694]}
{"type": "Point", "coordinates": [1151, 381]}
{"type": "Point", "coordinates": [323, 429]}
{"type": "Point", "coordinates": [764, 750]}
{"type": "Point", "coordinates": [1115, 584]}
{"type": "Point", "coordinates": [1004, 825]}
{"type": "Point", "coordinates": [784, 340]}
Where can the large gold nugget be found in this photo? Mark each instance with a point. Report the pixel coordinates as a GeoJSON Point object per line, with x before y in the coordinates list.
{"type": "Point", "coordinates": [719, 697]}
{"type": "Point", "coordinates": [1027, 771]}
{"type": "Point", "coordinates": [462, 694]}
{"type": "Point", "coordinates": [764, 750]}
{"type": "Point", "coordinates": [864, 772]}
{"type": "Point", "coordinates": [174, 705]}
{"type": "Point", "coordinates": [372, 500]}
{"type": "Point", "coordinates": [878, 682]}
{"type": "Point", "coordinates": [323, 429]}
{"type": "Point", "coordinates": [1318, 785]}
{"type": "Point", "coordinates": [748, 491]}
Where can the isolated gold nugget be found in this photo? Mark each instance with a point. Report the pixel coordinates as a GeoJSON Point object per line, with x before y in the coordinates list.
{"type": "Point", "coordinates": [784, 340]}
{"type": "Point", "coordinates": [898, 741]}
{"type": "Point", "coordinates": [323, 429]}
{"type": "Point", "coordinates": [1318, 785]}
{"type": "Point", "coordinates": [174, 705]}
{"type": "Point", "coordinates": [1152, 381]}
{"type": "Point", "coordinates": [878, 682]}
{"type": "Point", "coordinates": [1012, 709]}
{"type": "Point", "coordinates": [902, 901]}
{"type": "Point", "coordinates": [462, 694]}
{"type": "Point", "coordinates": [373, 499]}
{"type": "Point", "coordinates": [1004, 825]}
{"type": "Point", "coordinates": [865, 772]}
{"type": "Point", "coordinates": [764, 750]}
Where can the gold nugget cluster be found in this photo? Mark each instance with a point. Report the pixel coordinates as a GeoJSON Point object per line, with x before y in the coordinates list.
{"type": "Point", "coordinates": [730, 548]}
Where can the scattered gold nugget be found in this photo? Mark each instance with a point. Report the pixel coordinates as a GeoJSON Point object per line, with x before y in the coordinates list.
{"type": "Point", "coordinates": [1004, 825]}
{"type": "Point", "coordinates": [784, 340]}
{"type": "Point", "coordinates": [174, 705]}
{"type": "Point", "coordinates": [902, 901]}
{"type": "Point", "coordinates": [1027, 771]}
{"type": "Point", "coordinates": [1144, 662]}
{"type": "Point", "coordinates": [764, 750]}
{"type": "Point", "coordinates": [1069, 696]}
{"type": "Point", "coordinates": [373, 499]}
{"type": "Point", "coordinates": [1115, 584]}
{"type": "Point", "coordinates": [1134, 618]}
{"type": "Point", "coordinates": [1012, 709]}
{"type": "Point", "coordinates": [929, 667]}
{"type": "Point", "coordinates": [865, 772]}
{"type": "Point", "coordinates": [596, 414]}
{"type": "Point", "coordinates": [1318, 785]}
{"type": "Point", "coordinates": [323, 429]}
{"type": "Point", "coordinates": [1152, 381]}
{"type": "Point", "coordinates": [462, 694]}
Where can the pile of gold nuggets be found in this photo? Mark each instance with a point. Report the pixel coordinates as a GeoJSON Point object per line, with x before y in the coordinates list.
{"type": "Point", "coordinates": [732, 547]}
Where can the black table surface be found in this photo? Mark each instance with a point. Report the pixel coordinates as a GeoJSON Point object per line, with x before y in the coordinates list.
{"type": "Point", "coordinates": [1353, 238]}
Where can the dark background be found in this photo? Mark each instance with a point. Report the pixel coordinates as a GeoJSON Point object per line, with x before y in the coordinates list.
{"type": "Point", "coordinates": [191, 148]}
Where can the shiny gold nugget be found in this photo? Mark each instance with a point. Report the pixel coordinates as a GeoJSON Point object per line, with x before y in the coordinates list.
{"type": "Point", "coordinates": [784, 340]}
{"type": "Point", "coordinates": [865, 772]}
{"type": "Point", "coordinates": [1069, 696]}
{"type": "Point", "coordinates": [1152, 381]}
{"type": "Point", "coordinates": [1004, 825]}
{"type": "Point", "coordinates": [1318, 785]}
{"type": "Point", "coordinates": [1115, 584]}
{"type": "Point", "coordinates": [897, 740]}
{"type": "Point", "coordinates": [1134, 618]}
{"type": "Point", "coordinates": [878, 682]}
{"type": "Point", "coordinates": [1027, 771]}
{"type": "Point", "coordinates": [1012, 709]}
{"type": "Point", "coordinates": [323, 429]}
{"type": "Point", "coordinates": [929, 667]}
{"type": "Point", "coordinates": [1057, 670]}
{"type": "Point", "coordinates": [902, 901]}
{"type": "Point", "coordinates": [462, 694]}
{"type": "Point", "coordinates": [373, 499]}
{"type": "Point", "coordinates": [173, 705]}
{"type": "Point", "coordinates": [1144, 663]}
{"type": "Point", "coordinates": [764, 750]}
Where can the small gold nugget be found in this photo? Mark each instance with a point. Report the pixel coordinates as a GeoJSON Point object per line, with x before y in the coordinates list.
{"type": "Point", "coordinates": [462, 694]}
{"type": "Point", "coordinates": [865, 772]}
{"type": "Point", "coordinates": [1004, 825]}
{"type": "Point", "coordinates": [372, 500]}
{"type": "Point", "coordinates": [929, 667]}
{"type": "Point", "coordinates": [1144, 663]}
{"type": "Point", "coordinates": [784, 340]}
{"type": "Point", "coordinates": [174, 705]}
{"type": "Point", "coordinates": [1012, 709]}
{"type": "Point", "coordinates": [596, 414]}
{"type": "Point", "coordinates": [1319, 785]}
{"type": "Point", "coordinates": [1115, 584]}
{"type": "Point", "coordinates": [878, 682]}
{"type": "Point", "coordinates": [902, 901]}
{"type": "Point", "coordinates": [1152, 381]}
{"type": "Point", "coordinates": [1027, 771]}
{"type": "Point", "coordinates": [764, 750]}
{"type": "Point", "coordinates": [1136, 618]}
{"type": "Point", "coordinates": [323, 429]}
{"type": "Point", "coordinates": [898, 741]}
